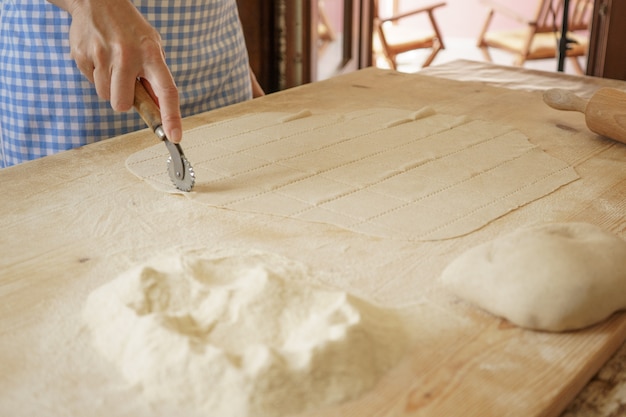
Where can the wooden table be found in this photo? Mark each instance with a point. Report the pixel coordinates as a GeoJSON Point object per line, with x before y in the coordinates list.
{"type": "Point", "coordinates": [605, 394]}
{"type": "Point", "coordinates": [73, 221]}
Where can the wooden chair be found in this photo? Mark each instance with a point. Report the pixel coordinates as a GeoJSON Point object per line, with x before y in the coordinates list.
{"type": "Point", "coordinates": [538, 37]}
{"type": "Point", "coordinates": [392, 38]}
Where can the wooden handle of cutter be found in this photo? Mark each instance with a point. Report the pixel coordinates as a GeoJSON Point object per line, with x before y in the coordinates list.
{"type": "Point", "coordinates": [605, 112]}
{"type": "Point", "coordinates": [146, 107]}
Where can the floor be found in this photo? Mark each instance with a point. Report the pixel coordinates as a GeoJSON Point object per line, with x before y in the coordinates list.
{"type": "Point", "coordinates": [455, 48]}
{"type": "Point", "coordinates": [465, 48]}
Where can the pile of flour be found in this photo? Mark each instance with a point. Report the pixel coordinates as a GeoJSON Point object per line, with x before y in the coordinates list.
{"type": "Point", "coordinates": [241, 334]}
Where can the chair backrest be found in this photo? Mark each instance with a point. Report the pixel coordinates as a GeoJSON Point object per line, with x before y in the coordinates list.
{"type": "Point", "coordinates": [549, 16]}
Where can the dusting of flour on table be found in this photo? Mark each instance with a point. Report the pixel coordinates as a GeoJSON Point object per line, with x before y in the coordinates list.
{"type": "Point", "coordinates": [241, 334]}
{"type": "Point", "coordinates": [554, 277]}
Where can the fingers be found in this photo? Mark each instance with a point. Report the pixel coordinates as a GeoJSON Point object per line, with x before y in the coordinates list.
{"type": "Point", "coordinates": [79, 53]}
{"type": "Point", "coordinates": [162, 87]}
{"type": "Point", "coordinates": [170, 111]}
{"type": "Point", "coordinates": [113, 45]}
{"type": "Point", "coordinates": [118, 87]}
{"type": "Point", "coordinates": [102, 81]}
{"type": "Point", "coordinates": [86, 67]}
{"type": "Point", "coordinates": [257, 90]}
{"type": "Point", "coordinates": [117, 84]}
{"type": "Point", "coordinates": [129, 63]}
{"type": "Point", "coordinates": [121, 87]}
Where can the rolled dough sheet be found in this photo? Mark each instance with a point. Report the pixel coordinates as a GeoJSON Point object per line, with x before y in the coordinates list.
{"type": "Point", "coordinates": [414, 175]}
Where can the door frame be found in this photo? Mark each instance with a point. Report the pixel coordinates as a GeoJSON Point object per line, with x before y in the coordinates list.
{"type": "Point", "coordinates": [301, 18]}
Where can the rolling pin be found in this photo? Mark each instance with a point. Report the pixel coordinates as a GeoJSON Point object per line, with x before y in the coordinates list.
{"type": "Point", "coordinates": [605, 112]}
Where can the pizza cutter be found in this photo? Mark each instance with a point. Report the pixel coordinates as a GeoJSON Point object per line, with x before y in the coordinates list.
{"type": "Point", "coordinates": [180, 170]}
{"type": "Point", "coordinates": [605, 111]}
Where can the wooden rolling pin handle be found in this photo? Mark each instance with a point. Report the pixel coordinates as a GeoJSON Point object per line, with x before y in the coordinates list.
{"type": "Point", "coordinates": [605, 112]}
{"type": "Point", "coordinates": [564, 100]}
{"type": "Point", "coordinates": [146, 107]}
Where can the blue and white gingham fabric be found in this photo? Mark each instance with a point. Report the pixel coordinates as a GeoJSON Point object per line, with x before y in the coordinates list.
{"type": "Point", "coordinates": [47, 105]}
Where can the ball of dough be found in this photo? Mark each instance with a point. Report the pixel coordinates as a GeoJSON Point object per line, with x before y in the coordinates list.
{"type": "Point", "coordinates": [553, 277]}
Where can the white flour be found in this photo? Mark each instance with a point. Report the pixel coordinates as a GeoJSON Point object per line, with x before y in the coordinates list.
{"type": "Point", "coordinates": [237, 334]}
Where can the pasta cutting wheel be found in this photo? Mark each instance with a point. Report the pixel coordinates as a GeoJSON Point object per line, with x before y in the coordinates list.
{"type": "Point", "coordinates": [178, 167]}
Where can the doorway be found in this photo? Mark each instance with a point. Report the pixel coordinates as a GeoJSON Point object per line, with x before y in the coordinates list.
{"type": "Point", "coordinates": [325, 38]}
{"type": "Point", "coordinates": [294, 42]}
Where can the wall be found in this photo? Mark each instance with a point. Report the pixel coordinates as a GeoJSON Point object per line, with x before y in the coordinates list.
{"type": "Point", "coordinates": [334, 13]}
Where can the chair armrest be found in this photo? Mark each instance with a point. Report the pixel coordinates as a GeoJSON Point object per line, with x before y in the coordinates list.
{"type": "Point", "coordinates": [499, 8]}
{"type": "Point", "coordinates": [396, 17]}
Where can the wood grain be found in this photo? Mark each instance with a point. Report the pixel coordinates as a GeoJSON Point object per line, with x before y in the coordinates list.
{"type": "Point", "coordinates": [73, 221]}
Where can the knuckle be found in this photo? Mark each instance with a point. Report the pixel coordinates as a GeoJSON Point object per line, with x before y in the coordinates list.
{"type": "Point", "coordinates": [121, 104]}
{"type": "Point", "coordinates": [151, 45]}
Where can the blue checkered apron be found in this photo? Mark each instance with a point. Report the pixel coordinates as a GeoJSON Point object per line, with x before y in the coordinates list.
{"type": "Point", "coordinates": [47, 105]}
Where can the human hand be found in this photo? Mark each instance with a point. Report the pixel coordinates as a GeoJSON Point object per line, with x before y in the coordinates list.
{"type": "Point", "coordinates": [113, 45]}
{"type": "Point", "coordinates": [257, 90]}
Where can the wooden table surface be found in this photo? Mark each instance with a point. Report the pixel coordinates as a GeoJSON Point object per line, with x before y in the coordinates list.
{"type": "Point", "coordinates": [73, 221]}
{"type": "Point", "coordinates": [605, 394]}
